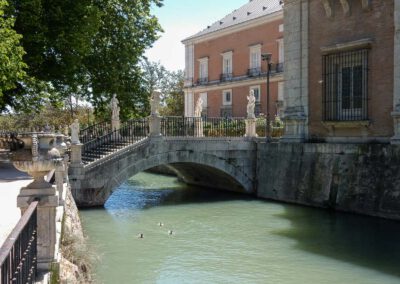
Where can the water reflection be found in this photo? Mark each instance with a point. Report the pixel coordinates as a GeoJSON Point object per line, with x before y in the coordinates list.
{"type": "Point", "coordinates": [365, 241]}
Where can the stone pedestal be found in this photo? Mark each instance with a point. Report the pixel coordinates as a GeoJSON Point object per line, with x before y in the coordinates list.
{"type": "Point", "coordinates": [115, 124]}
{"type": "Point", "coordinates": [76, 154]}
{"type": "Point", "coordinates": [396, 124]}
{"type": "Point", "coordinates": [198, 127]}
{"type": "Point", "coordinates": [59, 177]}
{"type": "Point", "coordinates": [46, 221]}
{"type": "Point", "coordinates": [155, 126]}
{"type": "Point", "coordinates": [251, 127]}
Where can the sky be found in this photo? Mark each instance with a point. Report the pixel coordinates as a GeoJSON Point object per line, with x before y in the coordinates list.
{"type": "Point", "coordinates": [181, 19]}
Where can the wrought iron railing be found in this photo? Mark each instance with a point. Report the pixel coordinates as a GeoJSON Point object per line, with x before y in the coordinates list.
{"type": "Point", "coordinates": [253, 72]}
{"type": "Point", "coordinates": [226, 77]}
{"type": "Point", "coordinates": [279, 67]}
{"type": "Point", "coordinates": [18, 255]}
{"type": "Point", "coordinates": [276, 127]}
{"type": "Point", "coordinates": [130, 132]}
{"type": "Point", "coordinates": [94, 131]}
{"type": "Point", "coordinates": [202, 81]}
{"type": "Point", "coordinates": [202, 127]}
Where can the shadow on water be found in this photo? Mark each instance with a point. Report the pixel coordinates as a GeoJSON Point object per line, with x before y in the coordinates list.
{"type": "Point", "coordinates": [364, 241]}
{"type": "Point", "coordinates": [137, 195]}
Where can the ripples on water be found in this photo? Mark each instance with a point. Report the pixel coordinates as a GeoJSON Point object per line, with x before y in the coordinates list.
{"type": "Point", "coordinates": [222, 237]}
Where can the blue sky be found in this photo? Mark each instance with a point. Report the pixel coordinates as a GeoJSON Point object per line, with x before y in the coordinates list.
{"type": "Point", "coordinates": [183, 18]}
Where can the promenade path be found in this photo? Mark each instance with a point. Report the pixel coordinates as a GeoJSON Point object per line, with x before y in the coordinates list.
{"type": "Point", "coordinates": [11, 180]}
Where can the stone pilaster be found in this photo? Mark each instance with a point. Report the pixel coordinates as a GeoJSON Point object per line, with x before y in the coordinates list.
{"type": "Point", "coordinates": [296, 71]}
{"type": "Point", "coordinates": [155, 126]}
{"type": "Point", "coordinates": [396, 71]}
{"type": "Point", "coordinates": [46, 221]}
{"type": "Point", "coordinates": [115, 124]}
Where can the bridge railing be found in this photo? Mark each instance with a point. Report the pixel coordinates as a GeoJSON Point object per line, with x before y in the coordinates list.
{"type": "Point", "coordinates": [131, 132]}
{"type": "Point", "coordinates": [18, 255]}
{"type": "Point", "coordinates": [94, 131]}
{"type": "Point", "coordinates": [202, 127]}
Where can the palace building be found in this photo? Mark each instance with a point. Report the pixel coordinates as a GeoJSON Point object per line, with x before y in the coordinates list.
{"type": "Point", "coordinates": [224, 62]}
{"type": "Point", "coordinates": [342, 71]}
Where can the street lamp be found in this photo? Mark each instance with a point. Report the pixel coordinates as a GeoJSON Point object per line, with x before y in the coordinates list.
{"type": "Point", "coordinates": [267, 57]}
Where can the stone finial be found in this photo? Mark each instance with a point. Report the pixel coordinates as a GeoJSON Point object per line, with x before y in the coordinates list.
{"type": "Point", "coordinates": [345, 6]}
{"type": "Point", "coordinates": [75, 132]}
{"type": "Point", "coordinates": [199, 107]}
{"type": "Point", "coordinates": [327, 7]}
{"type": "Point", "coordinates": [251, 103]}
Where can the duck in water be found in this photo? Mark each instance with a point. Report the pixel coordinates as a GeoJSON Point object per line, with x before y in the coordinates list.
{"type": "Point", "coordinates": [170, 232]}
{"type": "Point", "coordinates": [140, 236]}
{"type": "Point", "coordinates": [160, 224]}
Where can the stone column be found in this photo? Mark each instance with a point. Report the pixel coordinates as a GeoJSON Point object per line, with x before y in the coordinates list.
{"type": "Point", "coordinates": [396, 86]}
{"type": "Point", "coordinates": [59, 177]}
{"type": "Point", "coordinates": [296, 71]}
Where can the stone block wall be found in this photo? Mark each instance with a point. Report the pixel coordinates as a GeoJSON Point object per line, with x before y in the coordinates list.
{"type": "Point", "coordinates": [360, 178]}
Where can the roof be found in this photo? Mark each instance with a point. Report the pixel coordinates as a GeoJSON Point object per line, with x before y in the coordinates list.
{"type": "Point", "coordinates": [252, 10]}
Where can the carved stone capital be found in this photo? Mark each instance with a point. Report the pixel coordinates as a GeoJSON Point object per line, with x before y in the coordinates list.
{"type": "Point", "coordinates": [345, 6]}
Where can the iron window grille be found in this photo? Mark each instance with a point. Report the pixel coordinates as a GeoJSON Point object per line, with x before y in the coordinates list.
{"type": "Point", "coordinates": [345, 86]}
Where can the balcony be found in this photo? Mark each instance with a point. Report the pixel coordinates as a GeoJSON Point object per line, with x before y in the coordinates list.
{"type": "Point", "coordinates": [226, 77]}
{"type": "Point", "coordinates": [279, 67]}
{"type": "Point", "coordinates": [188, 82]}
{"type": "Point", "coordinates": [254, 72]}
{"type": "Point", "coordinates": [202, 81]}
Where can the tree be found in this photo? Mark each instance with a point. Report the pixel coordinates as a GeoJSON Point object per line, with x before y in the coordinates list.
{"type": "Point", "coordinates": [88, 48]}
{"type": "Point", "coordinates": [170, 83]}
{"type": "Point", "coordinates": [12, 68]}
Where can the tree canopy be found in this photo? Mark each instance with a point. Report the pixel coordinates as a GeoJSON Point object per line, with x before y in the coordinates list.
{"type": "Point", "coordinates": [12, 68]}
{"type": "Point", "coordinates": [90, 48]}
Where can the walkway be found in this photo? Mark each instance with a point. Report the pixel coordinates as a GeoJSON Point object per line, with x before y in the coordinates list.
{"type": "Point", "coordinates": [11, 180]}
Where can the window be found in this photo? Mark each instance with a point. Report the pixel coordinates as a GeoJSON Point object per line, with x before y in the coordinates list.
{"type": "Point", "coordinates": [227, 97]}
{"type": "Point", "coordinates": [255, 60]}
{"type": "Point", "coordinates": [345, 86]}
{"type": "Point", "coordinates": [226, 66]}
{"type": "Point", "coordinates": [203, 70]}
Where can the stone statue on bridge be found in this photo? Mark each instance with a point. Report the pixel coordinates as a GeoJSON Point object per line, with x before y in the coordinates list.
{"type": "Point", "coordinates": [155, 103]}
{"type": "Point", "coordinates": [251, 103]}
{"type": "Point", "coordinates": [75, 132]}
{"type": "Point", "coordinates": [199, 108]}
{"type": "Point", "coordinates": [115, 108]}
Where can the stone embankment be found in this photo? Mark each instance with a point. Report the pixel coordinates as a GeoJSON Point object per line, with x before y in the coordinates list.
{"type": "Point", "coordinates": [363, 178]}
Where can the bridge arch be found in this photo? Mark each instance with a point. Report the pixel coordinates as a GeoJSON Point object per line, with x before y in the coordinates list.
{"type": "Point", "coordinates": [195, 162]}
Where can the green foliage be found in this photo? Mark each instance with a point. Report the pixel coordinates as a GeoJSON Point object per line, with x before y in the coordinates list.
{"type": "Point", "coordinates": [87, 48]}
{"type": "Point", "coordinates": [12, 68]}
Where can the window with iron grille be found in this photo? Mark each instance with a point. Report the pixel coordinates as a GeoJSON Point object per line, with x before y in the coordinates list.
{"type": "Point", "coordinates": [345, 86]}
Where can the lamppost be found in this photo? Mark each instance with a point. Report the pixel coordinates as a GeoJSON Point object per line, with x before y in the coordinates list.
{"type": "Point", "coordinates": [267, 57]}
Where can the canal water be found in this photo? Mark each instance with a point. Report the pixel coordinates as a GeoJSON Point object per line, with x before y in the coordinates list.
{"type": "Point", "coordinates": [221, 237]}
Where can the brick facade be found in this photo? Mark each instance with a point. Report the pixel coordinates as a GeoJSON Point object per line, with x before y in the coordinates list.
{"type": "Point", "coordinates": [265, 32]}
{"type": "Point", "coordinates": [375, 23]}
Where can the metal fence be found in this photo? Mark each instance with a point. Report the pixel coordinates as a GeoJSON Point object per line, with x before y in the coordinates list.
{"type": "Point", "coordinates": [94, 131]}
{"type": "Point", "coordinates": [18, 255]}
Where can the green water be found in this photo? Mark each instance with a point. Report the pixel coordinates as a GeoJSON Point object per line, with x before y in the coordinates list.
{"type": "Point", "coordinates": [220, 237]}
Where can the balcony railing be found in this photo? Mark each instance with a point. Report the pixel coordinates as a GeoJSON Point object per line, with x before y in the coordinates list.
{"type": "Point", "coordinates": [254, 72]}
{"type": "Point", "coordinates": [202, 81]}
{"type": "Point", "coordinates": [279, 67]}
{"type": "Point", "coordinates": [18, 255]}
{"type": "Point", "coordinates": [226, 77]}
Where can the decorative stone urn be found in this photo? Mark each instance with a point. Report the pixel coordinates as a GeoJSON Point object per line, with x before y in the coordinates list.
{"type": "Point", "coordinates": [40, 154]}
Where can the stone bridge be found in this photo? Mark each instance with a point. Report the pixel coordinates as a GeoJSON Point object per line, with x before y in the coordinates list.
{"type": "Point", "coordinates": [221, 163]}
